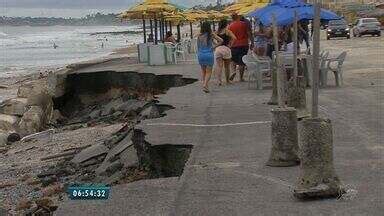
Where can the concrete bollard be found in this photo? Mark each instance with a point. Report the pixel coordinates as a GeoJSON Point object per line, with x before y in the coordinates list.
{"type": "Point", "coordinates": [296, 96]}
{"type": "Point", "coordinates": [273, 100]}
{"type": "Point", "coordinates": [317, 175]}
{"type": "Point", "coordinates": [284, 150]}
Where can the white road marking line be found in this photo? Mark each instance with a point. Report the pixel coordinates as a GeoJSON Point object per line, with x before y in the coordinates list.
{"type": "Point", "coordinates": [267, 178]}
{"type": "Point", "coordinates": [212, 125]}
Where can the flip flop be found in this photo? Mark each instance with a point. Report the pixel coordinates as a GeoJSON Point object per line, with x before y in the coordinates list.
{"type": "Point", "coordinates": [205, 89]}
{"type": "Point", "coordinates": [232, 77]}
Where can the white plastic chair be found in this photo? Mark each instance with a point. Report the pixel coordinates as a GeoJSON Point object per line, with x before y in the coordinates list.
{"type": "Point", "coordinates": [323, 68]}
{"type": "Point", "coordinates": [335, 65]}
{"type": "Point", "coordinates": [256, 67]}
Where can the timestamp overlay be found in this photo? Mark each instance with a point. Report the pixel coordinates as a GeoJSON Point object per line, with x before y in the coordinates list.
{"type": "Point", "coordinates": [88, 192]}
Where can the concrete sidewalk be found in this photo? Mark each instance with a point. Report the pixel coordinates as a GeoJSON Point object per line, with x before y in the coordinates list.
{"type": "Point", "coordinates": [226, 173]}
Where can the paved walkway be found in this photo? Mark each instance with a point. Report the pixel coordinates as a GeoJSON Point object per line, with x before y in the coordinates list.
{"type": "Point", "coordinates": [230, 131]}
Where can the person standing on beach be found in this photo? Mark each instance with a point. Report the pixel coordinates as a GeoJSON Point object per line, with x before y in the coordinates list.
{"type": "Point", "coordinates": [205, 43]}
{"type": "Point", "coordinates": [223, 52]}
{"type": "Point", "coordinates": [240, 46]}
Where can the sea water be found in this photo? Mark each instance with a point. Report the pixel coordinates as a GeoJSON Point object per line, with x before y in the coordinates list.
{"type": "Point", "coordinates": [26, 49]}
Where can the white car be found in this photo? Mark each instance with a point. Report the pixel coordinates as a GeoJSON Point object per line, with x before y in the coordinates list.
{"type": "Point", "coordinates": [364, 26]}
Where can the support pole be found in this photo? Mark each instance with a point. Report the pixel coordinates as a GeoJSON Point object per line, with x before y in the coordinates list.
{"type": "Point", "coordinates": [170, 26]}
{"type": "Point", "coordinates": [151, 25]}
{"type": "Point", "coordinates": [161, 30]}
{"type": "Point", "coordinates": [144, 31]}
{"type": "Point", "coordinates": [190, 25]}
{"type": "Point", "coordinates": [280, 74]}
{"type": "Point", "coordinates": [295, 50]}
{"type": "Point", "coordinates": [178, 33]}
{"type": "Point", "coordinates": [316, 63]}
{"type": "Point", "coordinates": [318, 178]}
{"type": "Point", "coordinates": [166, 27]}
{"type": "Point", "coordinates": [156, 38]}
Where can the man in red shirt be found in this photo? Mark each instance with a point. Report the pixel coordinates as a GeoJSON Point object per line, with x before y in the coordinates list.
{"type": "Point", "coordinates": [240, 46]}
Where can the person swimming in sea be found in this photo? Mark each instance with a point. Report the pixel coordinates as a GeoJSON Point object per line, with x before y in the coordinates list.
{"type": "Point", "coordinates": [54, 45]}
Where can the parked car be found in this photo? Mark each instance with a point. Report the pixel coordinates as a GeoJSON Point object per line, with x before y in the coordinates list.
{"type": "Point", "coordinates": [367, 26]}
{"type": "Point", "coordinates": [338, 28]}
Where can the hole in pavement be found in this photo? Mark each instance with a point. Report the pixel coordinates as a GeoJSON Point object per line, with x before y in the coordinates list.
{"type": "Point", "coordinates": [124, 156]}
{"type": "Point", "coordinates": [109, 96]}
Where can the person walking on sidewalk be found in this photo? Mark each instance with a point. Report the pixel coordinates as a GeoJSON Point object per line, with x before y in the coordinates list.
{"type": "Point", "coordinates": [240, 46]}
{"type": "Point", "coordinates": [205, 44]}
{"type": "Point", "coordinates": [223, 52]}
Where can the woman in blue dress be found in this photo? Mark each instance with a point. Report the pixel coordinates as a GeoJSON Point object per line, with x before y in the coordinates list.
{"type": "Point", "coordinates": [205, 47]}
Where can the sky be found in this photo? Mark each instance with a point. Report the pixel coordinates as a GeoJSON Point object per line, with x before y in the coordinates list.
{"type": "Point", "coordinates": [75, 8]}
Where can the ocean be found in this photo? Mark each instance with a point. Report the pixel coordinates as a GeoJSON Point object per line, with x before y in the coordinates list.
{"type": "Point", "coordinates": [26, 49]}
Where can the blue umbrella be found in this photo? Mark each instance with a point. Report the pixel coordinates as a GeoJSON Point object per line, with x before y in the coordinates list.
{"type": "Point", "coordinates": [285, 10]}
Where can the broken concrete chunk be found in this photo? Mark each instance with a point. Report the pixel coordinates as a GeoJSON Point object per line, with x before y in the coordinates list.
{"type": "Point", "coordinates": [129, 157]}
{"type": "Point", "coordinates": [110, 107]}
{"type": "Point", "coordinates": [32, 121]}
{"type": "Point", "coordinates": [131, 105]}
{"type": "Point", "coordinates": [14, 106]}
{"type": "Point", "coordinates": [150, 113]}
{"type": "Point", "coordinates": [89, 153]}
{"type": "Point", "coordinates": [7, 122]}
{"type": "Point", "coordinates": [121, 146]}
{"type": "Point", "coordinates": [107, 168]}
{"type": "Point", "coordinates": [114, 178]}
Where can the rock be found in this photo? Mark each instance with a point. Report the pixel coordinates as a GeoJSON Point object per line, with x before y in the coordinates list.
{"type": "Point", "coordinates": [129, 157]}
{"type": "Point", "coordinates": [23, 204]}
{"type": "Point", "coordinates": [3, 138]}
{"type": "Point", "coordinates": [8, 122]}
{"type": "Point", "coordinates": [52, 190]}
{"type": "Point", "coordinates": [150, 113]}
{"type": "Point", "coordinates": [44, 202]}
{"type": "Point", "coordinates": [56, 83]}
{"type": "Point", "coordinates": [89, 153]}
{"type": "Point", "coordinates": [57, 117]}
{"type": "Point", "coordinates": [32, 88]}
{"type": "Point", "coordinates": [14, 106]}
{"type": "Point", "coordinates": [45, 102]}
{"type": "Point", "coordinates": [32, 121]}
{"type": "Point", "coordinates": [13, 137]}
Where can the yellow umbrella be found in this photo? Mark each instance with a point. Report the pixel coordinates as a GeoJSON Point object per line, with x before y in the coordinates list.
{"type": "Point", "coordinates": [216, 15]}
{"type": "Point", "coordinates": [196, 15]}
{"type": "Point", "coordinates": [149, 9]}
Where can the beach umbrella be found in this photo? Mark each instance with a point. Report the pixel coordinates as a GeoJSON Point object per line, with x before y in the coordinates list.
{"type": "Point", "coordinates": [284, 11]}
{"type": "Point", "coordinates": [216, 15]}
{"type": "Point", "coordinates": [149, 9]}
{"type": "Point", "coordinates": [243, 7]}
{"type": "Point", "coordinates": [193, 16]}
